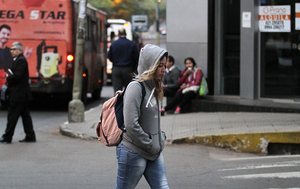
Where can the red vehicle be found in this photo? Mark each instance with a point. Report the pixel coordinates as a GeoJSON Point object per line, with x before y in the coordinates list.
{"type": "Point", "coordinates": [47, 29]}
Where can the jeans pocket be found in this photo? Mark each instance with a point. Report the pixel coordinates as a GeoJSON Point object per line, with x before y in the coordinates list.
{"type": "Point", "coordinates": [132, 154]}
{"type": "Point", "coordinates": [118, 151]}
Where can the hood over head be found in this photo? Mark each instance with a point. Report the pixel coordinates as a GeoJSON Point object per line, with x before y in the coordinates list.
{"type": "Point", "coordinates": [149, 56]}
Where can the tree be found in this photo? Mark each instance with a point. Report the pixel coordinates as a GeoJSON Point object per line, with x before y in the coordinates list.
{"type": "Point", "coordinates": [124, 9]}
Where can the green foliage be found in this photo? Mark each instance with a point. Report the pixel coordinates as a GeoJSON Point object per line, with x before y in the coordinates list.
{"type": "Point", "coordinates": [101, 3]}
{"type": "Point", "coordinates": [123, 9]}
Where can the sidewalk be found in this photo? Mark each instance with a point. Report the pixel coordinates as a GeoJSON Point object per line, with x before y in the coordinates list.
{"type": "Point", "coordinates": [246, 132]}
{"type": "Point", "coordinates": [243, 132]}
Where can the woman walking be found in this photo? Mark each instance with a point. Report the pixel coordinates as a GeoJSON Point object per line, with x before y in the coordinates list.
{"type": "Point", "coordinates": [140, 151]}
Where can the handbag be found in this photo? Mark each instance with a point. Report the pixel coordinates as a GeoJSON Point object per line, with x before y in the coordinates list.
{"type": "Point", "coordinates": [203, 87]}
{"type": "Point", "coordinates": [194, 88]}
{"type": "Point", "coordinates": [4, 93]}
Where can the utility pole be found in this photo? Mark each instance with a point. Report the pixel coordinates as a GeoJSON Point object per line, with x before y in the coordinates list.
{"type": "Point", "coordinates": [76, 106]}
{"type": "Point", "coordinates": [157, 23]}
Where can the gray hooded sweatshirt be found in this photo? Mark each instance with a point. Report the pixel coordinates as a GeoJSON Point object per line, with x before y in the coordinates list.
{"type": "Point", "coordinates": [142, 121]}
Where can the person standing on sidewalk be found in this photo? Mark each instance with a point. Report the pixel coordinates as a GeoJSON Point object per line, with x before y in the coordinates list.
{"type": "Point", "coordinates": [124, 55]}
{"type": "Point", "coordinates": [140, 151]}
{"type": "Point", "coordinates": [19, 95]}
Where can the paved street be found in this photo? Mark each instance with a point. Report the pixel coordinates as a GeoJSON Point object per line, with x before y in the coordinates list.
{"type": "Point", "coordinates": [265, 172]}
{"type": "Point", "coordinates": [58, 161]}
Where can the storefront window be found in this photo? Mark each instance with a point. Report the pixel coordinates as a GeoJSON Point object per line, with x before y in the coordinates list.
{"type": "Point", "coordinates": [231, 60]}
{"type": "Point", "coordinates": [280, 58]}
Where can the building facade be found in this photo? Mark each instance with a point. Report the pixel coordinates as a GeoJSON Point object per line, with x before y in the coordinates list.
{"type": "Point", "coordinates": [247, 48]}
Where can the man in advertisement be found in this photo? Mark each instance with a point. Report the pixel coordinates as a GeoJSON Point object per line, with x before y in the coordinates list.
{"type": "Point", "coordinates": [5, 55]}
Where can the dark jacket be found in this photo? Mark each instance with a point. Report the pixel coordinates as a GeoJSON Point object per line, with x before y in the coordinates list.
{"type": "Point", "coordinates": [171, 78]}
{"type": "Point", "coordinates": [18, 86]}
{"type": "Point", "coordinates": [123, 52]}
{"type": "Point", "coordinates": [5, 58]}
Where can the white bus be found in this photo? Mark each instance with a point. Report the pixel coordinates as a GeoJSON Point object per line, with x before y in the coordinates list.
{"type": "Point", "coordinates": [114, 25]}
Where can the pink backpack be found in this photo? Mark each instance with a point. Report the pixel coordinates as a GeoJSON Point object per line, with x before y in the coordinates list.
{"type": "Point", "coordinates": [111, 125]}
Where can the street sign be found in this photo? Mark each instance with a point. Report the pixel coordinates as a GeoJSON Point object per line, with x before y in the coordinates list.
{"type": "Point", "coordinates": [139, 23]}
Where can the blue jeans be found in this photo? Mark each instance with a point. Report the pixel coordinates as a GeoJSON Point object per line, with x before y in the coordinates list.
{"type": "Point", "coordinates": [131, 168]}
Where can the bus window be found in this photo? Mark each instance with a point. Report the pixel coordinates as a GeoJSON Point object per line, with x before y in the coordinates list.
{"type": "Point", "coordinates": [94, 32]}
{"type": "Point", "coordinates": [99, 32]}
{"type": "Point", "coordinates": [88, 29]}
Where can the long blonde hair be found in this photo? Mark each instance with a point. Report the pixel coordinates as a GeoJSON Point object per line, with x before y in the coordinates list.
{"type": "Point", "coordinates": [150, 75]}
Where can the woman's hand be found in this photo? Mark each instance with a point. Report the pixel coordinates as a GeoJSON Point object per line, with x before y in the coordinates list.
{"type": "Point", "coordinates": [188, 72]}
{"type": "Point", "coordinates": [183, 86]}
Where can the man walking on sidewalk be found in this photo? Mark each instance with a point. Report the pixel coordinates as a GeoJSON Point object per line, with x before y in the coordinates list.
{"type": "Point", "coordinates": [124, 55]}
{"type": "Point", "coordinates": [19, 95]}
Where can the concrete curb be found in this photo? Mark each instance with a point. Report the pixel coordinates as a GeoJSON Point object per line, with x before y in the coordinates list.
{"type": "Point", "coordinates": [83, 130]}
{"type": "Point", "coordinates": [247, 142]}
{"type": "Point", "coordinates": [65, 130]}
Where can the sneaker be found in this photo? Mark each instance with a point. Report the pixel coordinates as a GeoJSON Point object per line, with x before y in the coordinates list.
{"type": "Point", "coordinates": [177, 111]}
{"type": "Point", "coordinates": [162, 112]}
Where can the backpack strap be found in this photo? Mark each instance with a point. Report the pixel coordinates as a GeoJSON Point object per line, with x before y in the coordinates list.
{"type": "Point", "coordinates": [195, 72]}
{"type": "Point", "coordinates": [143, 91]}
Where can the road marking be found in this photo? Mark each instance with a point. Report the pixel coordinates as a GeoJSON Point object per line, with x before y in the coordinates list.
{"type": "Point", "coordinates": [266, 175]}
{"type": "Point", "coordinates": [279, 164]}
{"type": "Point", "coordinates": [262, 157]}
{"type": "Point", "coordinates": [284, 188]}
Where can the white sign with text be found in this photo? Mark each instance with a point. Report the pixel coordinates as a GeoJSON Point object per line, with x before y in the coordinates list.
{"type": "Point", "coordinates": [275, 18]}
{"type": "Point", "coordinates": [246, 21]}
{"type": "Point", "coordinates": [297, 16]}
